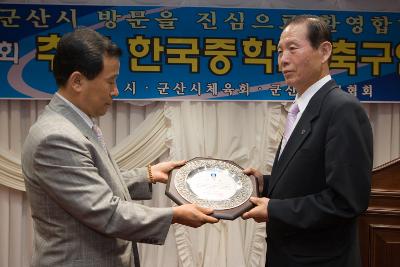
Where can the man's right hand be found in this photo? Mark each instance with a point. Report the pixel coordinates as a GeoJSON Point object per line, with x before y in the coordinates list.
{"type": "Point", "coordinates": [260, 212]}
{"type": "Point", "coordinates": [192, 215]}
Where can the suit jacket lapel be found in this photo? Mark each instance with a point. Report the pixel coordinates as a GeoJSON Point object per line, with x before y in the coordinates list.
{"type": "Point", "coordinates": [300, 133]}
{"type": "Point", "coordinates": [59, 106]}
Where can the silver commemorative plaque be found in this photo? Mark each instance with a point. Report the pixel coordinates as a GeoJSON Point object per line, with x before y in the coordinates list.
{"type": "Point", "coordinates": [213, 183]}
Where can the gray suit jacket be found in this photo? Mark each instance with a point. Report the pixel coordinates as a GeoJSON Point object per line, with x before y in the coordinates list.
{"type": "Point", "coordinates": [81, 202]}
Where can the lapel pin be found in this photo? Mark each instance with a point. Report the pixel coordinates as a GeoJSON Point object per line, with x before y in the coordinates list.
{"type": "Point", "coordinates": [303, 131]}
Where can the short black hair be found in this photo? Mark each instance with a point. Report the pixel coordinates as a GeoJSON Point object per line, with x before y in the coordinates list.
{"type": "Point", "coordinates": [318, 30]}
{"type": "Point", "coordinates": [82, 50]}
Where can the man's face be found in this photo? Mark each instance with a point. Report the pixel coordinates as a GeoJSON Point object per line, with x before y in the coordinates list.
{"type": "Point", "coordinates": [98, 93]}
{"type": "Point", "coordinates": [299, 62]}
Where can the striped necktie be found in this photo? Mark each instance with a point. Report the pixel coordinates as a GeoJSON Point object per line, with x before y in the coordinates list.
{"type": "Point", "coordinates": [291, 118]}
{"type": "Point", "coordinates": [99, 135]}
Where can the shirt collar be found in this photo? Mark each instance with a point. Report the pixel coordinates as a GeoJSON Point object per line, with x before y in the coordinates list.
{"type": "Point", "coordinates": [82, 114]}
{"type": "Point", "coordinates": [302, 101]}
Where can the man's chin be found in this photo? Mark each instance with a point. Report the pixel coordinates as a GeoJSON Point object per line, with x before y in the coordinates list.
{"type": "Point", "coordinates": [102, 112]}
{"type": "Point", "coordinates": [289, 82]}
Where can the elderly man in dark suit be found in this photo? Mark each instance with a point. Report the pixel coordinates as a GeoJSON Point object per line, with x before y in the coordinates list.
{"type": "Point", "coordinates": [81, 202]}
{"type": "Point", "coordinates": [320, 179]}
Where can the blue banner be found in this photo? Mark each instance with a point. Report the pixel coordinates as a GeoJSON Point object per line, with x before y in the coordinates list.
{"type": "Point", "coordinates": [197, 53]}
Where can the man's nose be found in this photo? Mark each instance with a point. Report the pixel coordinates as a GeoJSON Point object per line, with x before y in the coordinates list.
{"type": "Point", "coordinates": [115, 91]}
{"type": "Point", "coordinates": [284, 60]}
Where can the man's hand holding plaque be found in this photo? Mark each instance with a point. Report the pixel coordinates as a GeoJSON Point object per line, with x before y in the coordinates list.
{"type": "Point", "coordinates": [212, 183]}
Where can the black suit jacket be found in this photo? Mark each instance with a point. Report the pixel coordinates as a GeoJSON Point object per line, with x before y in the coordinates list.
{"type": "Point", "coordinates": [320, 184]}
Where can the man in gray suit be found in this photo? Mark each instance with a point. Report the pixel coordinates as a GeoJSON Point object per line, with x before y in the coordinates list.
{"type": "Point", "coordinates": [80, 200]}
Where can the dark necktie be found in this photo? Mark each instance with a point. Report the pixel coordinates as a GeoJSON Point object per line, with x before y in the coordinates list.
{"type": "Point", "coordinates": [135, 251]}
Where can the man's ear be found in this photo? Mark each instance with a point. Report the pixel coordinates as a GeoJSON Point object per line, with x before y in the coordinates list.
{"type": "Point", "coordinates": [326, 50]}
{"type": "Point", "coordinates": [76, 80]}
